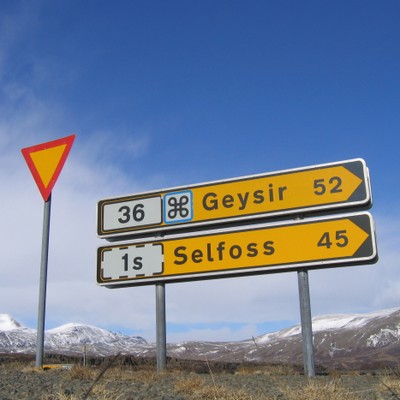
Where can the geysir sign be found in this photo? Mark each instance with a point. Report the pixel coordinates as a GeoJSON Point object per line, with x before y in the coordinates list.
{"type": "Point", "coordinates": [312, 243]}
{"type": "Point", "coordinates": [261, 248]}
{"type": "Point", "coordinates": [321, 187]}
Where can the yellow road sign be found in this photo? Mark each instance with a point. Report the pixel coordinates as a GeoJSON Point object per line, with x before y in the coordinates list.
{"type": "Point", "coordinates": [323, 187]}
{"type": "Point", "coordinates": [315, 243]}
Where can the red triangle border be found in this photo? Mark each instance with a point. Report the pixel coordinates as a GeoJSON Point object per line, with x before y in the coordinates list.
{"type": "Point", "coordinates": [26, 152]}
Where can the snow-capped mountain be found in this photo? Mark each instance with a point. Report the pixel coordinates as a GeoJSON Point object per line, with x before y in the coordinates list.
{"type": "Point", "coordinates": [14, 337]}
{"type": "Point", "coordinates": [359, 341]}
{"type": "Point", "coordinates": [7, 323]}
{"type": "Point", "coordinates": [72, 337]}
{"type": "Point", "coordinates": [67, 339]}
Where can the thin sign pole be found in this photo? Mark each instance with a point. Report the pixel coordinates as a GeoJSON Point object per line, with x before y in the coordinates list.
{"type": "Point", "coordinates": [306, 323]}
{"type": "Point", "coordinates": [161, 328]}
{"type": "Point", "coordinates": [43, 283]}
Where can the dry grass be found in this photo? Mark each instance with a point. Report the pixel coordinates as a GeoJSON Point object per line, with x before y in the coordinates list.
{"type": "Point", "coordinates": [127, 374]}
{"type": "Point", "coordinates": [315, 390]}
{"type": "Point", "coordinates": [270, 370]}
{"type": "Point", "coordinates": [17, 366]}
{"type": "Point", "coordinates": [100, 392]}
{"type": "Point", "coordinates": [82, 373]}
{"type": "Point", "coordinates": [195, 388]}
{"type": "Point", "coordinates": [192, 386]}
{"type": "Point", "coordinates": [390, 382]}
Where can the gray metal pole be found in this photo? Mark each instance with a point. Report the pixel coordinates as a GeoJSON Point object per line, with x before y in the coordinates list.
{"type": "Point", "coordinates": [161, 328]}
{"type": "Point", "coordinates": [43, 283]}
{"type": "Point", "coordinates": [306, 323]}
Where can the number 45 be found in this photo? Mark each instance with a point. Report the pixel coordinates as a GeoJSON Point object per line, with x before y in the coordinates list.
{"type": "Point", "coordinates": [340, 236]}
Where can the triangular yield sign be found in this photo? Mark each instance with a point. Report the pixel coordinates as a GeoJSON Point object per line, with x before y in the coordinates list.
{"type": "Point", "coordinates": [46, 161]}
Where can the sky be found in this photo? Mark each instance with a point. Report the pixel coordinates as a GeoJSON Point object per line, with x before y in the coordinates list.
{"type": "Point", "coordinates": [172, 93]}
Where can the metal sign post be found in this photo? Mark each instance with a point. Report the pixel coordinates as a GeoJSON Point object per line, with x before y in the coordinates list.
{"type": "Point", "coordinates": [306, 322]}
{"type": "Point", "coordinates": [161, 328]}
{"type": "Point", "coordinates": [45, 161]}
{"type": "Point", "coordinates": [43, 283]}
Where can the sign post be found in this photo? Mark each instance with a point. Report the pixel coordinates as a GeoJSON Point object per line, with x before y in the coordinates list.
{"type": "Point", "coordinates": [43, 283]}
{"type": "Point", "coordinates": [45, 162]}
{"type": "Point", "coordinates": [161, 324]}
{"type": "Point", "coordinates": [306, 322]}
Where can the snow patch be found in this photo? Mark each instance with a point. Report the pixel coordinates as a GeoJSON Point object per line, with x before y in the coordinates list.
{"type": "Point", "coordinates": [327, 323]}
{"type": "Point", "coordinates": [8, 324]}
{"type": "Point", "coordinates": [384, 337]}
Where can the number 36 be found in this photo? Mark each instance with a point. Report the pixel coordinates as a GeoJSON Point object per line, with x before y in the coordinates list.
{"type": "Point", "coordinates": [137, 213]}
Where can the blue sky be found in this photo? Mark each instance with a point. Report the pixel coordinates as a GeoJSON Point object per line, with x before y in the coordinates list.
{"type": "Point", "coordinates": [168, 93]}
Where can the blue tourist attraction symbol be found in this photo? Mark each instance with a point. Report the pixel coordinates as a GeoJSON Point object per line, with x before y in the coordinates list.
{"type": "Point", "coordinates": [178, 207]}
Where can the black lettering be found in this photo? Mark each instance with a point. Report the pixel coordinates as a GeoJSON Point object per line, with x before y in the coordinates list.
{"type": "Point", "coordinates": [271, 192]}
{"type": "Point", "coordinates": [212, 203]}
{"type": "Point", "coordinates": [227, 201]}
{"type": "Point", "coordinates": [269, 249]}
{"type": "Point", "coordinates": [279, 192]}
{"type": "Point", "coordinates": [209, 253]}
{"type": "Point", "coordinates": [137, 263]}
{"type": "Point", "coordinates": [178, 254]}
{"type": "Point", "coordinates": [235, 252]}
{"type": "Point", "coordinates": [252, 250]}
{"type": "Point", "coordinates": [220, 249]}
{"type": "Point", "coordinates": [338, 182]}
{"type": "Point", "coordinates": [126, 210]}
{"type": "Point", "coordinates": [258, 196]}
{"type": "Point", "coordinates": [138, 212]}
{"type": "Point", "coordinates": [197, 256]}
{"type": "Point", "coordinates": [325, 241]}
{"type": "Point", "coordinates": [125, 258]}
{"type": "Point", "coordinates": [243, 200]}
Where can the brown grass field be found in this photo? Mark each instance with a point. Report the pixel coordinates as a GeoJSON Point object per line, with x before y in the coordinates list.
{"type": "Point", "coordinates": [108, 381]}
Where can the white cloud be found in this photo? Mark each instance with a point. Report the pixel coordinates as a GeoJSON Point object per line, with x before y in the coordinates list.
{"type": "Point", "coordinates": [237, 300]}
{"type": "Point", "coordinates": [218, 334]}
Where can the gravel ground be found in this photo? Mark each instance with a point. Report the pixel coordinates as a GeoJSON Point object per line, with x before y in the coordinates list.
{"type": "Point", "coordinates": [59, 384]}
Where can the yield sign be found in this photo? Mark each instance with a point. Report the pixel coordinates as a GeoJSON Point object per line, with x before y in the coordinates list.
{"type": "Point", "coordinates": [46, 161]}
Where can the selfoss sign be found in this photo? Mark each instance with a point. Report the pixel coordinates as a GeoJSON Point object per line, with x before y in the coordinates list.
{"type": "Point", "coordinates": [322, 187]}
{"type": "Point", "coordinates": [314, 243]}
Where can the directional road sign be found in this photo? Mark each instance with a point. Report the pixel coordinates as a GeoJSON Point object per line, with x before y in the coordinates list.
{"type": "Point", "coordinates": [312, 243]}
{"type": "Point", "coordinates": [322, 187]}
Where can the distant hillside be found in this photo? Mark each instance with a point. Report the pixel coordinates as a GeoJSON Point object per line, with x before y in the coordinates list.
{"type": "Point", "coordinates": [67, 339]}
{"type": "Point", "coordinates": [353, 341]}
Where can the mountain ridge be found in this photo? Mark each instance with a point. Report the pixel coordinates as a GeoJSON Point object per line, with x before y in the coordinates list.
{"type": "Point", "coordinates": [360, 341]}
